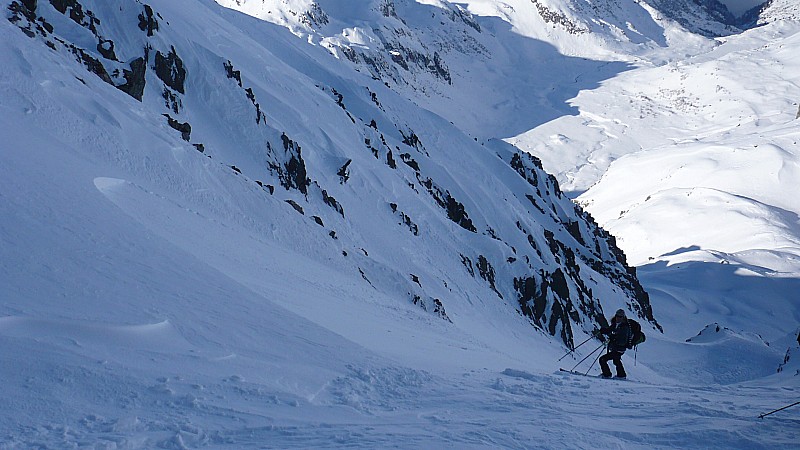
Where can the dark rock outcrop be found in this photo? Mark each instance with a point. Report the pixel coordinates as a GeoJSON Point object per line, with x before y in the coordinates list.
{"type": "Point", "coordinates": [169, 69]}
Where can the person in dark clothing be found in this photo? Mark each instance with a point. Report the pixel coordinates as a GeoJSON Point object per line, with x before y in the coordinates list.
{"type": "Point", "coordinates": [619, 336]}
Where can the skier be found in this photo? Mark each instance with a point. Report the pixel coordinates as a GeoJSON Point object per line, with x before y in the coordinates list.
{"type": "Point", "coordinates": [620, 335]}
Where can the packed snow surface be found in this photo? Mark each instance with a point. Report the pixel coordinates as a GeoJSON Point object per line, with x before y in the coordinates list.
{"type": "Point", "coordinates": [140, 308]}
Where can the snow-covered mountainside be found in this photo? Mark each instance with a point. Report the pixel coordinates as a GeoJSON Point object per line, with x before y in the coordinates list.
{"type": "Point", "coordinates": [379, 188]}
{"type": "Point", "coordinates": [330, 225]}
{"type": "Point", "coordinates": [772, 11]}
{"type": "Point", "coordinates": [481, 63]}
{"type": "Point", "coordinates": [692, 170]}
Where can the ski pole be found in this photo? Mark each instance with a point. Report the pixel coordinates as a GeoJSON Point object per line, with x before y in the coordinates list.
{"type": "Point", "coordinates": [595, 360]}
{"type": "Point", "coordinates": [576, 347]}
{"type": "Point", "coordinates": [587, 356]}
{"type": "Point", "coordinates": [779, 409]}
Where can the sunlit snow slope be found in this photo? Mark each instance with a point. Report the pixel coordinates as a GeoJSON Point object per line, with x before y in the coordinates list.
{"type": "Point", "coordinates": [694, 165]}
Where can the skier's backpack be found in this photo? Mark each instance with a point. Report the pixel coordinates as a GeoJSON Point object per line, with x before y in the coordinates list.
{"type": "Point", "coordinates": [637, 336]}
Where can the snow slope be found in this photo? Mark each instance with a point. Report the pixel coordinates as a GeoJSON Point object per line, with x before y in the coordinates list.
{"type": "Point", "coordinates": [371, 184]}
{"type": "Point", "coordinates": [776, 10]}
{"type": "Point", "coordinates": [481, 63]}
{"type": "Point", "coordinates": [152, 296]}
{"type": "Point", "coordinates": [693, 165]}
{"type": "Point", "coordinates": [693, 173]}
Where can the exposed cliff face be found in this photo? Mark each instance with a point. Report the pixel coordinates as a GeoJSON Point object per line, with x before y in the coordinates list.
{"type": "Point", "coordinates": [396, 196]}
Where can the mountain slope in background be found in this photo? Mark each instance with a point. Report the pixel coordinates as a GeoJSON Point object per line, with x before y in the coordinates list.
{"type": "Point", "coordinates": [216, 233]}
{"type": "Point", "coordinates": [480, 64]}
{"type": "Point", "coordinates": [691, 171]}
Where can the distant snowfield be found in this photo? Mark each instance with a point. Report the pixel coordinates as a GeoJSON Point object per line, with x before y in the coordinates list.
{"type": "Point", "coordinates": [140, 309]}
{"type": "Point", "coordinates": [693, 165]}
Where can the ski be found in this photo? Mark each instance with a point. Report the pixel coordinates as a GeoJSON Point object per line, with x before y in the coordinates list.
{"type": "Point", "coordinates": [573, 372]}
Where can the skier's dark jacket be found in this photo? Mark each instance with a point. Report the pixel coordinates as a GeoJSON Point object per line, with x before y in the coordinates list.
{"type": "Point", "coordinates": [619, 334]}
